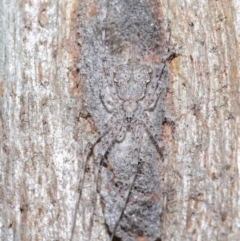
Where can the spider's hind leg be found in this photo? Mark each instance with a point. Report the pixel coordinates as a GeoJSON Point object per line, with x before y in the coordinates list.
{"type": "Point", "coordinates": [153, 134]}
{"type": "Point", "coordinates": [98, 156]}
{"type": "Point", "coordinates": [87, 150]}
{"type": "Point", "coordinates": [138, 134]}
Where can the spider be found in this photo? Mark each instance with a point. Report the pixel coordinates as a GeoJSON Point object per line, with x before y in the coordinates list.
{"type": "Point", "coordinates": [133, 94]}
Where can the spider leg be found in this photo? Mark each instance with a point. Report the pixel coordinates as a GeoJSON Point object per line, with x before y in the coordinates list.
{"type": "Point", "coordinates": [99, 156]}
{"type": "Point", "coordinates": [155, 89]}
{"type": "Point", "coordinates": [138, 134]}
{"type": "Point", "coordinates": [108, 104]}
{"type": "Point", "coordinates": [153, 133]}
{"type": "Point", "coordinates": [122, 133]}
{"type": "Point", "coordinates": [109, 76]}
{"type": "Point", "coordinates": [151, 88]}
{"type": "Point", "coordinates": [87, 150]}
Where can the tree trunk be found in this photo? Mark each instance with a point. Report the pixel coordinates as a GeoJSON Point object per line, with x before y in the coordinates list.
{"type": "Point", "coordinates": [44, 125]}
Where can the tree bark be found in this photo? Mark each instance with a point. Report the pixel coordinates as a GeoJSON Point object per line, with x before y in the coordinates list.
{"type": "Point", "coordinates": [44, 129]}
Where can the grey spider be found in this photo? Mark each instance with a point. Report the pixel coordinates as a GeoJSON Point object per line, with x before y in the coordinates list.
{"type": "Point", "coordinates": [132, 98]}
{"type": "Point", "coordinates": [134, 93]}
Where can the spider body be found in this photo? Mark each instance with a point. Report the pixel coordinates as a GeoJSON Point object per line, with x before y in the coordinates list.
{"type": "Point", "coordinates": [134, 91]}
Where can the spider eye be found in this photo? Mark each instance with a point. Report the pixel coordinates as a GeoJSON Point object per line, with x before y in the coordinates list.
{"type": "Point", "coordinates": [138, 76]}
{"type": "Point", "coordinates": [124, 76]}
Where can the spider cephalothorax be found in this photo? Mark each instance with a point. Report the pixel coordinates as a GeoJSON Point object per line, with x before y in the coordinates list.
{"type": "Point", "coordinates": [132, 80]}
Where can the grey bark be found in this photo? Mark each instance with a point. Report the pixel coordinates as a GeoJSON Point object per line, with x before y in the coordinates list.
{"type": "Point", "coordinates": [43, 129]}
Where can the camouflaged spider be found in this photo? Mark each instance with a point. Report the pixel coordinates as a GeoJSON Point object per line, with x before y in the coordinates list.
{"type": "Point", "coordinates": [134, 91]}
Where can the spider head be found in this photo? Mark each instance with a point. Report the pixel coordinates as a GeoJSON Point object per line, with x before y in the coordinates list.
{"type": "Point", "coordinates": [132, 80]}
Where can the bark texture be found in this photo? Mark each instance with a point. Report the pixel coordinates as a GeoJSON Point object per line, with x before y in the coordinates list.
{"type": "Point", "coordinates": [43, 126]}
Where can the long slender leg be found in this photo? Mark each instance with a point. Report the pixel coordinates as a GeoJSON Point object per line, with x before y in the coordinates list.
{"type": "Point", "coordinates": [90, 145]}
{"type": "Point", "coordinates": [153, 133]}
{"type": "Point", "coordinates": [154, 82]}
{"type": "Point", "coordinates": [109, 75]}
{"type": "Point", "coordinates": [156, 86]}
{"type": "Point", "coordinates": [138, 134]}
{"type": "Point", "coordinates": [122, 133]}
{"type": "Point", "coordinates": [99, 156]}
{"type": "Point", "coordinates": [108, 104]}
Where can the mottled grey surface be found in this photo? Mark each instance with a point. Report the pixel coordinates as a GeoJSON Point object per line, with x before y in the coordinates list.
{"type": "Point", "coordinates": [131, 32]}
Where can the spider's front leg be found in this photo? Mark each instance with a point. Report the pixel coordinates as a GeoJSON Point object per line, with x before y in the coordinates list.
{"type": "Point", "coordinates": [110, 79]}
{"type": "Point", "coordinates": [109, 105]}
{"type": "Point", "coordinates": [138, 134]}
{"type": "Point", "coordinates": [108, 74]}
{"type": "Point", "coordinates": [113, 104]}
{"type": "Point", "coordinates": [156, 87]}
